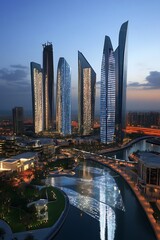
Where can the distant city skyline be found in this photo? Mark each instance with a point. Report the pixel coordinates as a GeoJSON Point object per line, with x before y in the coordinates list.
{"type": "Point", "coordinates": [25, 26]}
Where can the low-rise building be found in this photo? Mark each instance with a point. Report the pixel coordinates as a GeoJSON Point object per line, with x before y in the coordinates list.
{"type": "Point", "coordinates": [19, 162]}
{"type": "Point", "coordinates": [149, 173]}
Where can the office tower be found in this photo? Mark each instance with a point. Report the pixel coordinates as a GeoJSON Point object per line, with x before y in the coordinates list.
{"type": "Point", "coordinates": [121, 83]}
{"type": "Point", "coordinates": [63, 98]}
{"type": "Point", "coordinates": [113, 89]}
{"type": "Point", "coordinates": [18, 125]}
{"type": "Point", "coordinates": [37, 96]}
{"type": "Point", "coordinates": [48, 85]}
{"type": "Point", "coordinates": [86, 95]}
{"type": "Point", "coordinates": [107, 99]}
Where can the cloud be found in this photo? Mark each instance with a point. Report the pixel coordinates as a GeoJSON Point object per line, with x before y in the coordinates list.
{"type": "Point", "coordinates": [19, 66]}
{"type": "Point", "coordinates": [16, 77]}
{"type": "Point", "coordinates": [152, 81]}
{"type": "Point", "coordinates": [15, 87]}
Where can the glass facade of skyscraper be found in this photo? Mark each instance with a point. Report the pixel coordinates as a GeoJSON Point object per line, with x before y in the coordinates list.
{"type": "Point", "coordinates": [113, 89]}
{"type": "Point", "coordinates": [86, 95]}
{"type": "Point", "coordinates": [48, 85]}
{"type": "Point", "coordinates": [121, 82]}
{"type": "Point", "coordinates": [107, 99]}
{"type": "Point", "coordinates": [37, 96]}
{"type": "Point", "coordinates": [63, 98]}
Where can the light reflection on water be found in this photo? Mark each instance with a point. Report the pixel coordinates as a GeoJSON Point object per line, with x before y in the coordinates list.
{"type": "Point", "coordinates": [95, 193]}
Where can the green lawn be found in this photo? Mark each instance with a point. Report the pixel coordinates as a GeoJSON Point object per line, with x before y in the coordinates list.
{"type": "Point", "coordinates": [20, 219]}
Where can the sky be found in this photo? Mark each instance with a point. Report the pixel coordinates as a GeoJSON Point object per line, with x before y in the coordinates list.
{"type": "Point", "coordinates": [73, 25]}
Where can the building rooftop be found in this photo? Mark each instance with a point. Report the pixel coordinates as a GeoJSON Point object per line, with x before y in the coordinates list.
{"type": "Point", "coordinates": [20, 156]}
{"type": "Point", "coordinates": [150, 159]}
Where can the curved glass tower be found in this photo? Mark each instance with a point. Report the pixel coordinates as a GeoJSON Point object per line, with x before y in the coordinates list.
{"type": "Point", "coordinates": [48, 85]}
{"type": "Point", "coordinates": [107, 99]}
{"type": "Point", "coordinates": [63, 101]}
{"type": "Point", "coordinates": [37, 96]}
{"type": "Point", "coordinates": [121, 82]}
{"type": "Point", "coordinates": [86, 95]}
{"type": "Point", "coordinates": [113, 89]}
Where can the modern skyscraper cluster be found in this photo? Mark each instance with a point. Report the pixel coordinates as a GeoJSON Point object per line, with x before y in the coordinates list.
{"type": "Point", "coordinates": [42, 82]}
{"type": "Point", "coordinates": [43, 93]}
{"type": "Point", "coordinates": [113, 89]}
{"type": "Point", "coordinates": [112, 96]}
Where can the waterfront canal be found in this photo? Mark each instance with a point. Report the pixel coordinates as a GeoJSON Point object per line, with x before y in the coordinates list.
{"type": "Point", "coordinates": [103, 207]}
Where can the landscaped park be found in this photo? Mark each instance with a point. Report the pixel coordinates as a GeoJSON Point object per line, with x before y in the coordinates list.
{"type": "Point", "coordinates": [23, 209]}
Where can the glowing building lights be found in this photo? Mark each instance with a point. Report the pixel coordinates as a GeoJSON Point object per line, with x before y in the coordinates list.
{"type": "Point", "coordinates": [37, 96]}
{"type": "Point", "coordinates": [86, 95]}
{"type": "Point", "coordinates": [48, 85]}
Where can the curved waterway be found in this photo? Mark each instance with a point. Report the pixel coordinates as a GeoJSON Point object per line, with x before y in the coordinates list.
{"type": "Point", "coordinates": [103, 207]}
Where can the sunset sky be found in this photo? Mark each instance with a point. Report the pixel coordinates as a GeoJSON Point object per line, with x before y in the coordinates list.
{"type": "Point", "coordinates": [74, 25]}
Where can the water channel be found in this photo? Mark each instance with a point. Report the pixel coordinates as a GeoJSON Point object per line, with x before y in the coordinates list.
{"type": "Point", "coordinates": [102, 205]}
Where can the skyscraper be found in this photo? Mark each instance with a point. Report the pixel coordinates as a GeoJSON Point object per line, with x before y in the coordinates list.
{"type": "Point", "coordinates": [18, 124]}
{"type": "Point", "coordinates": [121, 83]}
{"type": "Point", "coordinates": [48, 85]}
{"type": "Point", "coordinates": [63, 98]}
{"type": "Point", "coordinates": [113, 89]}
{"type": "Point", "coordinates": [86, 95]}
{"type": "Point", "coordinates": [107, 99]}
{"type": "Point", "coordinates": [37, 96]}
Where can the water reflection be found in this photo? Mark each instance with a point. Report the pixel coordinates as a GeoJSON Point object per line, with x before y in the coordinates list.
{"type": "Point", "coordinates": [94, 192]}
{"type": "Point", "coordinates": [102, 213]}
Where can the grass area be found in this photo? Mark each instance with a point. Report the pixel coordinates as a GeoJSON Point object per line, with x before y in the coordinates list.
{"type": "Point", "coordinates": [21, 219]}
{"type": "Point", "coordinates": [14, 220]}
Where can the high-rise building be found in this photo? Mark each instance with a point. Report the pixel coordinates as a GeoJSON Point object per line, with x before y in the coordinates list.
{"type": "Point", "coordinates": [63, 98]}
{"type": "Point", "coordinates": [48, 85]}
{"type": "Point", "coordinates": [107, 99]}
{"type": "Point", "coordinates": [121, 83]}
{"type": "Point", "coordinates": [113, 89]}
{"type": "Point", "coordinates": [18, 121]}
{"type": "Point", "coordinates": [86, 95]}
{"type": "Point", "coordinates": [37, 96]}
